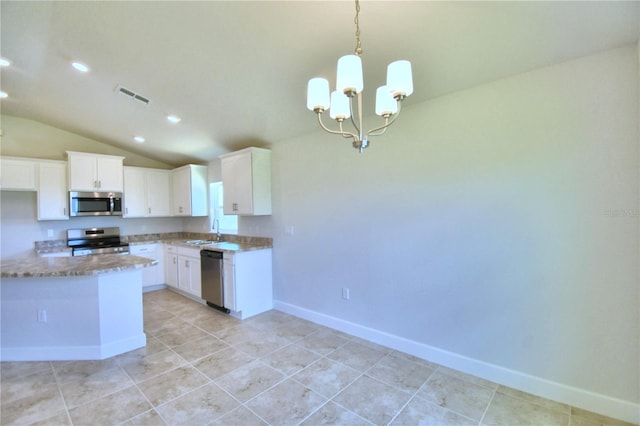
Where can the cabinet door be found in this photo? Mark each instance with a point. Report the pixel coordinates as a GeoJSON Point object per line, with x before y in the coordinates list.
{"type": "Point", "coordinates": [181, 190]}
{"type": "Point", "coordinates": [109, 174]}
{"type": "Point", "coordinates": [158, 199]}
{"type": "Point", "coordinates": [237, 183]}
{"type": "Point", "coordinates": [171, 269]}
{"type": "Point", "coordinates": [52, 191]}
{"type": "Point", "coordinates": [151, 275]}
{"type": "Point", "coordinates": [244, 186]}
{"type": "Point", "coordinates": [134, 193]}
{"type": "Point", "coordinates": [227, 169]}
{"type": "Point", "coordinates": [189, 275]}
{"type": "Point", "coordinates": [18, 174]}
{"type": "Point", "coordinates": [229, 280]}
{"type": "Point", "coordinates": [83, 173]}
{"type": "Point", "coordinates": [246, 177]}
{"type": "Point", "coordinates": [195, 277]}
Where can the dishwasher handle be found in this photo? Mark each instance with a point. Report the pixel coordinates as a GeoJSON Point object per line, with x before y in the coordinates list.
{"type": "Point", "coordinates": [211, 254]}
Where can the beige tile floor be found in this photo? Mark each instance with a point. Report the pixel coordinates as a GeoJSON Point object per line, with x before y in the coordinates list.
{"type": "Point", "coordinates": [201, 367]}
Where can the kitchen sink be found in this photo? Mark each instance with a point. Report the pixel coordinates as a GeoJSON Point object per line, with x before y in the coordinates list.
{"type": "Point", "coordinates": [200, 242]}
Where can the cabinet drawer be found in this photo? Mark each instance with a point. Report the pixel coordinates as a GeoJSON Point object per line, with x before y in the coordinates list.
{"type": "Point", "coordinates": [189, 252]}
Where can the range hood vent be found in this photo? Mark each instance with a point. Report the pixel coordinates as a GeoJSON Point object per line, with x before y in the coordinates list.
{"type": "Point", "coordinates": [133, 95]}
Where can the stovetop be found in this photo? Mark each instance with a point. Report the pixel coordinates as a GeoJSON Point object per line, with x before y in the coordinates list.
{"type": "Point", "coordinates": [91, 241]}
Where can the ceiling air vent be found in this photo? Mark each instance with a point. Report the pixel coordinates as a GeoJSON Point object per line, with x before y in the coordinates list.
{"type": "Point", "coordinates": [133, 95]}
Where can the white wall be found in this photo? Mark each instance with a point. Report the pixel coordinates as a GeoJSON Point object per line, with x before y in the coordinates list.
{"type": "Point", "coordinates": [499, 223]}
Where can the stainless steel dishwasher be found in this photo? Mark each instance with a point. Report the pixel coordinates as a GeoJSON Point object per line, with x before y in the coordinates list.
{"type": "Point", "coordinates": [212, 279]}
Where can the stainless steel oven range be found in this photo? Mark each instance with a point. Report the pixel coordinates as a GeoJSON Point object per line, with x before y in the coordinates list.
{"type": "Point", "coordinates": [93, 241]}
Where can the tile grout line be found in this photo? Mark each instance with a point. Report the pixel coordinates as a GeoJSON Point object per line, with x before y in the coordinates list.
{"type": "Point", "coordinates": [486, 409]}
{"type": "Point", "coordinates": [64, 401]}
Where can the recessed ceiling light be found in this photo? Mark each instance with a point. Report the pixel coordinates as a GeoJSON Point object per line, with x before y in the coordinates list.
{"type": "Point", "coordinates": [4, 62]}
{"type": "Point", "coordinates": [80, 66]}
{"type": "Point", "coordinates": [3, 95]}
{"type": "Point", "coordinates": [139, 139]}
{"type": "Point", "coordinates": [173, 119]}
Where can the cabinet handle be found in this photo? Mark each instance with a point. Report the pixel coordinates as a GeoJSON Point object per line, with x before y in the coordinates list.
{"type": "Point", "coordinates": [99, 184]}
{"type": "Point", "coordinates": [64, 211]}
{"type": "Point", "coordinates": [186, 263]}
{"type": "Point", "coordinates": [126, 210]}
{"type": "Point", "coordinates": [149, 210]}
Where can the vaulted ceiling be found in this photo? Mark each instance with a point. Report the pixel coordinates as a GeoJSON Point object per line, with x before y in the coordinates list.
{"type": "Point", "coordinates": [236, 71]}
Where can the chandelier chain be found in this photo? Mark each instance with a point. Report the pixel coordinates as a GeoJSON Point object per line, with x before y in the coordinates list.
{"type": "Point", "coordinates": [356, 20]}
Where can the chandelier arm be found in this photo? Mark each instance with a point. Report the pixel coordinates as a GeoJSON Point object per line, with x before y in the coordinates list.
{"type": "Point", "coordinates": [382, 129]}
{"type": "Point", "coordinates": [353, 116]}
{"type": "Point", "coordinates": [335, 132]}
{"type": "Point", "coordinates": [345, 134]}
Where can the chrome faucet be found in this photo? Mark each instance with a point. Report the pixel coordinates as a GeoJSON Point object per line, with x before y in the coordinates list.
{"type": "Point", "coordinates": [217, 225]}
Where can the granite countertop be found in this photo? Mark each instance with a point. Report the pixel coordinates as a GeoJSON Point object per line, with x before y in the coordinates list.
{"type": "Point", "coordinates": [218, 246]}
{"type": "Point", "coordinates": [229, 243]}
{"type": "Point", "coordinates": [71, 266]}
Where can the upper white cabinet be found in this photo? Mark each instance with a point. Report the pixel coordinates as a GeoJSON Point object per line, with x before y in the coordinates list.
{"type": "Point", "coordinates": [17, 174]}
{"type": "Point", "coordinates": [147, 192]}
{"type": "Point", "coordinates": [95, 172]}
{"type": "Point", "coordinates": [52, 190]}
{"type": "Point", "coordinates": [246, 179]}
{"type": "Point", "coordinates": [189, 191]}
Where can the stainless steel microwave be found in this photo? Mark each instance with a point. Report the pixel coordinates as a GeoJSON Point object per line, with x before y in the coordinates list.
{"type": "Point", "coordinates": [95, 203]}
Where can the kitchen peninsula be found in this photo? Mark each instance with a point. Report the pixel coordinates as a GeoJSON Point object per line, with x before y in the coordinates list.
{"type": "Point", "coordinates": [71, 308]}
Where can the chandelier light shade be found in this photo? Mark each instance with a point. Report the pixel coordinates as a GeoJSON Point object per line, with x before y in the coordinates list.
{"type": "Point", "coordinates": [318, 94]}
{"type": "Point", "coordinates": [349, 88]}
{"type": "Point", "coordinates": [340, 109]}
{"type": "Point", "coordinates": [349, 75]}
{"type": "Point", "coordinates": [399, 78]}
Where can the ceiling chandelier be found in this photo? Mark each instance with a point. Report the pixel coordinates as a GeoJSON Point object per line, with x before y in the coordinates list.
{"type": "Point", "coordinates": [349, 86]}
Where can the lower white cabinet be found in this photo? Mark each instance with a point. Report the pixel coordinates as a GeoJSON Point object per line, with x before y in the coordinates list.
{"type": "Point", "coordinates": [189, 275]}
{"type": "Point", "coordinates": [248, 287]}
{"type": "Point", "coordinates": [171, 265]}
{"type": "Point", "coordinates": [182, 269]}
{"type": "Point", "coordinates": [151, 275]}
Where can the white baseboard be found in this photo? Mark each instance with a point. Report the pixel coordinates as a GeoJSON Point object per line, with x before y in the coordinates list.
{"type": "Point", "coordinates": [73, 353]}
{"type": "Point", "coordinates": [580, 398]}
{"type": "Point", "coordinates": [155, 287]}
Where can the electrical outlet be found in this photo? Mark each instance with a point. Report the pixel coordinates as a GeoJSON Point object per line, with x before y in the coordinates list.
{"type": "Point", "coordinates": [345, 293]}
{"type": "Point", "coordinates": [49, 233]}
{"type": "Point", "coordinates": [289, 230]}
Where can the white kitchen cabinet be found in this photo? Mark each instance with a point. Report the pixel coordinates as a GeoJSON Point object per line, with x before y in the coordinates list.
{"type": "Point", "coordinates": [152, 275]}
{"type": "Point", "coordinates": [246, 179]}
{"type": "Point", "coordinates": [189, 274]}
{"type": "Point", "coordinates": [17, 174]}
{"type": "Point", "coordinates": [147, 192]}
{"type": "Point", "coordinates": [53, 202]}
{"type": "Point", "coordinates": [95, 172]}
{"type": "Point", "coordinates": [171, 265]}
{"type": "Point", "coordinates": [189, 191]}
{"type": "Point", "coordinates": [248, 287]}
{"type": "Point", "coordinates": [182, 269]}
